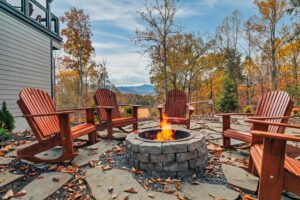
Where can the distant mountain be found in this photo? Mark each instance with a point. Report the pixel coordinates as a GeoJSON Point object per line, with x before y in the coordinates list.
{"type": "Point", "coordinates": [145, 89]}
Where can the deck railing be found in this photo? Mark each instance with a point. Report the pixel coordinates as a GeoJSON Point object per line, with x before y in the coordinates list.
{"type": "Point", "coordinates": [38, 12]}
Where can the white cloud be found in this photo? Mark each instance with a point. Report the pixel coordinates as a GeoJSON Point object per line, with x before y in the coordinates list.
{"type": "Point", "coordinates": [127, 68]}
{"type": "Point", "coordinates": [99, 45]}
{"type": "Point", "coordinates": [120, 13]}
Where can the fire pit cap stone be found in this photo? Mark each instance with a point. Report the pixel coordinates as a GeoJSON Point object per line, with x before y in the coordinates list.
{"type": "Point", "coordinates": [150, 148]}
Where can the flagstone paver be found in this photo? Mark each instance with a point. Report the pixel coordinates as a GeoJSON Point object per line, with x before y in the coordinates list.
{"type": "Point", "coordinates": [240, 178]}
{"type": "Point", "coordinates": [7, 177]}
{"type": "Point", "coordinates": [44, 187]}
{"type": "Point", "coordinates": [208, 191]}
{"type": "Point", "coordinates": [120, 180]}
{"type": "Point", "coordinates": [5, 161]}
{"type": "Point", "coordinates": [93, 152]}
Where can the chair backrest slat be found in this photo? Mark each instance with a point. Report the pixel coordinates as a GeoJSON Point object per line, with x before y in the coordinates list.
{"type": "Point", "coordinates": [35, 101]}
{"type": "Point", "coordinates": [176, 104]}
{"type": "Point", "coordinates": [275, 104]}
{"type": "Point", "coordinates": [106, 97]}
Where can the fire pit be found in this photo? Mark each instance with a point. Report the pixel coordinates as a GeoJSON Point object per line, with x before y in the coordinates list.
{"type": "Point", "coordinates": [167, 152]}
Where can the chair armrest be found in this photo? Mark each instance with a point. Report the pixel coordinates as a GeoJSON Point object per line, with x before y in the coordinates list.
{"type": "Point", "coordinates": [137, 106]}
{"type": "Point", "coordinates": [48, 114]}
{"type": "Point", "coordinates": [77, 109]}
{"type": "Point", "coordinates": [190, 108]}
{"type": "Point", "coordinates": [161, 106]}
{"type": "Point", "coordinates": [106, 107]}
{"type": "Point", "coordinates": [235, 114]}
{"type": "Point", "coordinates": [276, 136]}
{"type": "Point", "coordinates": [269, 117]}
{"type": "Point", "coordinates": [260, 122]}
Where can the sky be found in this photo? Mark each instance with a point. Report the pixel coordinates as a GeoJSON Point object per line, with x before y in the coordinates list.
{"type": "Point", "coordinates": [113, 23]}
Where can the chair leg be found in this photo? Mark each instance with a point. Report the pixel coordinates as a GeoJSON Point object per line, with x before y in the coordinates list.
{"type": "Point", "coordinates": [93, 137]}
{"type": "Point", "coordinates": [226, 142]}
{"type": "Point", "coordinates": [109, 132]}
{"type": "Point", "coordinates": [135, 126]}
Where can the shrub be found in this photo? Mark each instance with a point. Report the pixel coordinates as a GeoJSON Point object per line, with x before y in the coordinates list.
{"type": "Point", "coordinates": [4, 135]}
{"type": "Point", "coordinates": [228, 101]}
{"type": "Point", "coordinates": [248, 109]}
{"type": "Point", "coordinates": [296, 111]}
{"type": "Point", "coordinates": [6, 119]}
{"type": "Point", "coordinates": [154, 112]}
{"type": "Point", "coordinates": [127, 110]}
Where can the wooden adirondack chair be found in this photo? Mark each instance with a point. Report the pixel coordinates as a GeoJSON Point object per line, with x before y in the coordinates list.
{"type": "Point", "coordinates": [109, 113]}
{"type": "Point", "coordinates": [176, 108]}
{"type": "Point", "coordinates": [269, 160]}
{"type": "Point", "coordinates": [274, 106]}
{"type": "Point", "coordinates": [51, 127]}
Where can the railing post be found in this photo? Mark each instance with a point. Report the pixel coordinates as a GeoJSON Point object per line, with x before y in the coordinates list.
{"type": "Point", "coordinates": [25, 7]}
{"type": "Point", "coordinates": [48, 13]}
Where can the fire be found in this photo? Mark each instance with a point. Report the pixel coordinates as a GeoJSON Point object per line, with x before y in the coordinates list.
{"type": "Point", "coordinates": [166, 131]}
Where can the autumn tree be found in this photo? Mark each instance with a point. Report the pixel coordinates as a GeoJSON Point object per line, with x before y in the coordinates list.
{"type": "Point", "coordinates": [159, 18]}
{"type": "Point", "coordinates": [228, 35]}
{"type": "Point", "coordinates": [266, 29]}
{"type": "Point", "coordinates": [101, 78]}
{"type": "Point", "coordinates": [78, 46]}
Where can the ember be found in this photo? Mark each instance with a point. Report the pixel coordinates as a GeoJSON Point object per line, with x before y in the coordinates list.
{"type": "Point", "coordinates": [166, 132]}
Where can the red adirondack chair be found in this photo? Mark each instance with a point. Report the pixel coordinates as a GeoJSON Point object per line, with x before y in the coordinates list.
{"type": "Point", "coordinates": [51, 127]}
{"type": "Point", "coordinates": [269, 160]}
{"type": "Point", "coordinates": [109, 113]}
{"type": "Point", "coordinates": [176, 108]}
{"type": "Point", "coordinates": [274, 107]}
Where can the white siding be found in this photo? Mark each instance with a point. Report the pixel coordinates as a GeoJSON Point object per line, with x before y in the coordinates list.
{"type": "Point", "coordinates": [25, 61]}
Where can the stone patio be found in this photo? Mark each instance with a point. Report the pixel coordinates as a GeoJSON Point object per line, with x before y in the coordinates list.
{"type": "Point", "coordinates": [87, 177]}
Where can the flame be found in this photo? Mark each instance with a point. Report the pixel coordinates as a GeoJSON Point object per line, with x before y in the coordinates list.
{"type": "Point", "coordinates": [166, 130]}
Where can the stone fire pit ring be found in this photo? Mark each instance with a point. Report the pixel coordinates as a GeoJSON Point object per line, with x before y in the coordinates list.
{"type": "Point", "coordinates": [168, 158]}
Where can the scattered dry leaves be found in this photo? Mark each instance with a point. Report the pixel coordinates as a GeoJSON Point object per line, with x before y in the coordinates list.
{"type": "Point", "coordinates": [70, 169]}
{"type": "Point", "coordinates": [131, 190]}
{"type": "Point", "coordinates": [168, 190]}
{"type": "Point", "coordinates": [136, 171]}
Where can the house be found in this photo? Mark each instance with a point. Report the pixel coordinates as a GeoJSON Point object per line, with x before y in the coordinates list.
{"type": "Point", "coordinates": [29, 33]}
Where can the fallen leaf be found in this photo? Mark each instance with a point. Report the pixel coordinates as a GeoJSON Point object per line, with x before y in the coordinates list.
{"type": "Point", "coordinates": [195, 182]}
{"type": "Point", "coordinates": [178, 185]}
{"type": "Point", "coordinates": [110, 189]}
{"type": "Point", "coordinates": [114, 196]}
{"type": "Point", "coordinates": [125, 197]}
{"type": "Point", "coordinates": [181, 196]}
{"type": "Point", "coordinates": [248, 197]}
{"type": "Point", "coordinates": [2, 180]}
{"type": "Point", "coordinates": [107, 167]}
{"type": "Point", "coordinates": [150, 196]}
{"type": "Point", "coordinates": [55, 179]}
{"type": "Point", "coordinates": [130, 190]}
{"type": "Point", "coordinates": [2, 153]}
{"type": "Point", "coordinates": [169, 180]}
{"type": "Point", "coordinates": [20, 193]}
{"type": "Point", "coordinates": [146, 184]}
{"type": "Point", "coordinates": [8, 194]}
{"type": "Point", "coordinates": [167, 190]}
{"type": "Point", "coordinates": [136, 171]}
{"type": "Point", "coordinates": [194, 176]}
